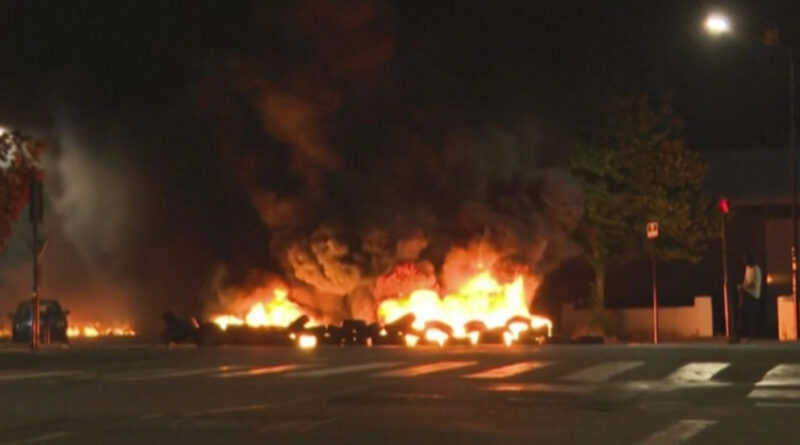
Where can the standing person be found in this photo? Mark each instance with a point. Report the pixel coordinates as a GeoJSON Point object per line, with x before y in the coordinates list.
{"type": "Point", "coordinates": [749, 299]}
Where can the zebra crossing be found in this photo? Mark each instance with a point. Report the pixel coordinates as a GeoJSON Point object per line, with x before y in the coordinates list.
{"type": "Point", "coordinates": [781, 382]}
{"type": "Point", "coordinates": [779, 377]}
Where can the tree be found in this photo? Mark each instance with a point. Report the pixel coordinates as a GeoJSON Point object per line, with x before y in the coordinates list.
{"type": "Point", "coordinates": [638, 169]}
{"type": "Point", "coordinates": [19, 155]}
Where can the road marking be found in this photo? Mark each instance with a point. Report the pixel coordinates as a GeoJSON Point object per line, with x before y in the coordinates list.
{"type": "Point", "coordinates": [696, 372]}
{"type": "Point", "coordinates": [777, 405]}
{"type": "Point", "coordinates": [277, 369]}
{"type": "Point", "coordinates": [781, 375]}
{"type": "Point", "coordinates": [540, 387]}
{"type": "Point", "coordinates": [508, 370]}
{"type": "Point", "coordinates": [344, 369]}
{"type": "Point", "coordinates": [774, 394]}
{"type": "Point", "coordinates": [38, 439]}
{"type": "Point", "coordinates": [134, 376]}
{"type": "Point", "coordinates": [679, 432]}
{"type": "Point", "coordinates": [139, 372]}
{"type": "Point", "coordinates": [230, 410]}
{"type": "Point", "coordinates": [430, 368]}
{"type": "Point", "coordinates": [602, 372]}
{"type": "Point", "coordinates": [25, 375]}
{"type": "Point", "coordinates": [294, 426]}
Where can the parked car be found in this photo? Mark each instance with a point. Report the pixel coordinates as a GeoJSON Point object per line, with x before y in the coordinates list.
{"type": "Point", "coordinates": [52, 322]}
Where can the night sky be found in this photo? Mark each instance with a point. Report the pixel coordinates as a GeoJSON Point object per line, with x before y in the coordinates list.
{"type": "Point", "coordinates": [164, 117]}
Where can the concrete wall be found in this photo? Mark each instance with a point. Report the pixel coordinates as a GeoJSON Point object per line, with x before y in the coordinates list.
{"type": "Point", "coordinates": [637, 324]}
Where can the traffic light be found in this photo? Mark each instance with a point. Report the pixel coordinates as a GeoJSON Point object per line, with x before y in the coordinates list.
{"type": "Point", "coordinates": [724, 206]}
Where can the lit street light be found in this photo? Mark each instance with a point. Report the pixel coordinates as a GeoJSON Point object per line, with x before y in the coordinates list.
{"type": "Point", "coordinates": [717, 24]}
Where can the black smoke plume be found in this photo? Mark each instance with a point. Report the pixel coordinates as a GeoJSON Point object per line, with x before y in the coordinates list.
{"type": "Point", "coordinates": [210, 153]}
{"type": "Point", "coordinates": [349, 186]}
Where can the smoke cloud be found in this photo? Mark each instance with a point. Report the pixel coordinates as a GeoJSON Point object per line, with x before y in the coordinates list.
{"type": "Point", "coordinates": [290, 151]}
{"type": "Point", "coordinates": [354, 198]}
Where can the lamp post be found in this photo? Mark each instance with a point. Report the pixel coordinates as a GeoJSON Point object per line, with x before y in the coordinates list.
{"type": "Point", "coordinates": [36, 204]}
{"type": "Point", "coordinates": [652, 235]}
{"type": "Point", "coordinates": [718, 24]}
{"type": "Point", "coordinates": [724, 208]}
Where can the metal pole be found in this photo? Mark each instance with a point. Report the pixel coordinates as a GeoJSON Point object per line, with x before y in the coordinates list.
{"type": "Point", "coordinates": [793, 150]}
{"type": "Point", "coordinates": [655, 301]}
{"type": "Point", "coordinates": [35, 202]}
{"type": "Point", "coordinates": [35, 305]}
{"type": "Point", "coordinates": [725, 280]}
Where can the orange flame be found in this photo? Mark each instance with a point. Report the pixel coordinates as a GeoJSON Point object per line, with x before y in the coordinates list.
{"type": "Point", "coordinates": [481, 299]}
{"type": "Point", "coordinates": [307, 341]}
{"type": "Point", "coordinates": [411, 340]}
{"type": "Point", "coordinates": [278, 311]}
{"type": "Point", "coordinates": [97, 330]}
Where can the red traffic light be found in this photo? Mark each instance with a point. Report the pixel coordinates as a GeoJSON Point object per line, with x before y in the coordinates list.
{"type": "Point", "coordinates": [724, 207]}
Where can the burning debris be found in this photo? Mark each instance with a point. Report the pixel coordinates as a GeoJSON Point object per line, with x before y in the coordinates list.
{"type": "Point", "coordinates": [415, 310]}
{"type": "Point", "coordinates": [94, 330]}
{"type": "Point", "coordinates": [479, 307]}
{"type": "Point", "coordinates": [387, 289]}
{"type": "Point", "coordinates": [274, 311]}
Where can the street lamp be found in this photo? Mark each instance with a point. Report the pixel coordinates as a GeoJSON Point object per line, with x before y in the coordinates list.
{"type": "Point", "coordinates": [717, 24]}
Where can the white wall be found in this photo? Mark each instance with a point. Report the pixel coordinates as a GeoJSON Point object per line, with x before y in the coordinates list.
{"type": "Point", "coordinates": [637, 324]}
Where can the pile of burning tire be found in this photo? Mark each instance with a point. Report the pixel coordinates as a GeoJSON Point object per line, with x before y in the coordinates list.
{"type": "Point", "coordinates": [402, 332]}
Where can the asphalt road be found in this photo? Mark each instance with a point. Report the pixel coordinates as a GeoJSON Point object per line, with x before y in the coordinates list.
{"type": "Point", "coordinates": [128, 394]}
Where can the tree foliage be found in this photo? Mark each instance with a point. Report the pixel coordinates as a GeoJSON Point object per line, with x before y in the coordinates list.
{"type": "Point", "coordinates": [639, 169]}
{"type": "Point", "coordinates": [18, 164]}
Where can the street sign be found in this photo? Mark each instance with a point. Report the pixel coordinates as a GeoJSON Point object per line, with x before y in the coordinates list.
{"type": "Point", "coordinates": [652, 230]}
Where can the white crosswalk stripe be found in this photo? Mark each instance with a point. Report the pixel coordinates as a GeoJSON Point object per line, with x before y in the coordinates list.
{"type": "Point", "coordinates": [541, 387]}
{"type": "Point", "coordinates": [344, 369]}
{"type": "Point", "coordinates": [602, 372]}
{"type": "Point", "coordinates": [261, 370]}
{"type": "Point", "coordinates": [774, 394]}
{"type": "Point", "coordinates": [781, 375]}
{"type": "Point", "coordinates": [508, 370]}
{"type": "Point", "coordinates": [692, 375]}
{"type": "Point", "coordinates": [135, 376]}
{"type": "Point", "coordinates": [430, 368]}
{"type": "Point", "coordinates": [678, 433]}
{"type": "Point", "coordinates": [29, 374]}
{"type": "Point", "coordinates": [696, 372]}
{"type": "Point", "coordinates": [784, 374]}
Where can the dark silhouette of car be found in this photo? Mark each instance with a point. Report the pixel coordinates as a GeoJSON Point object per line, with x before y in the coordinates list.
{"type": "Point", "coordinates": [52, 322]}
